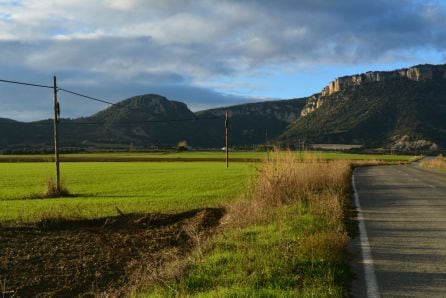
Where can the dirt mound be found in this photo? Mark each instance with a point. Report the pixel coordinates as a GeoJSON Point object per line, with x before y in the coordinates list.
{"type": "Point", "coordinates": [61, 258]}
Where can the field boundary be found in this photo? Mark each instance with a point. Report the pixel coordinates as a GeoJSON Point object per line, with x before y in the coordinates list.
{"type": "Point", "coordinates": [162, 159]}
{"type": "Point", "coordinates": [124, 159]}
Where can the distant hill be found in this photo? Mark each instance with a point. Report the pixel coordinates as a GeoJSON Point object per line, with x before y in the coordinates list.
{"type": "Point", "coordinates": [153, 121]}
{"type": "Point", "coordinates": [403, 109]}
{"type": "Point", "coordinates": [255, 123]}
{"type": "Point", "coordinates": [5, 120]}
{"type": "Point", "coordinates": [137, 121]}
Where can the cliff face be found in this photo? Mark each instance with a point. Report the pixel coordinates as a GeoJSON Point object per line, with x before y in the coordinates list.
{"type": "Point", "coordinates": [416, 73]}
{"type": "Point", "coordinates": [403, 109]}
{"type": "Point", "coordinates": [314, 102]}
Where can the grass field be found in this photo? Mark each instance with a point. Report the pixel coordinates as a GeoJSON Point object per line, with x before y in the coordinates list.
{"type": "Point", "coordinates": [283, 233]}
{"type": "Point", "coordinates": [287, 238]}
{"type": "Point", "coordinates": [100, 188]}
{"type": "Point", "coordinates": [197, 155]}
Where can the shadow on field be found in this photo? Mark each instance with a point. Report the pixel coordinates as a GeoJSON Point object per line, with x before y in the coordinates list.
{"type": "Point", "coordinates": [106, 256]}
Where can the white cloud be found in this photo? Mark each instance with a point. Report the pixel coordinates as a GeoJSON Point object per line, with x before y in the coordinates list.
{"type": "Point", "coordinates": [210, 43]}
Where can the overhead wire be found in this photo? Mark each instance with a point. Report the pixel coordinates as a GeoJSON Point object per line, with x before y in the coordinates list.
{"type": "Point", "coordinates": [98, 100]}
{"type": "Point", "coordinates": [88, 97]}
{"type": "Point", "coordinates": [26, 84]}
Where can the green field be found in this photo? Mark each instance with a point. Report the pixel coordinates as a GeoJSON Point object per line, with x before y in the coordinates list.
{"type": "Point", "coordinates": [197, 155]}
{"type": "Point", "coordinates": [297, 247]}
{"type": "Point", "coordinates": [100, 188]}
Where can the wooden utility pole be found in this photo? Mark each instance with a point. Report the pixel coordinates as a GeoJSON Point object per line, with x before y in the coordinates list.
{"type": "Point", "coordinates": [56, 134]}
{"type": "Point", "coordinates": [226, 138]}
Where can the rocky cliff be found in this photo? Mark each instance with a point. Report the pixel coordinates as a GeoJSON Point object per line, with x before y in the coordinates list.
{"type": "Point", "coordinates": [314, 102]}
{"type": "Point", "coordinates": [416, 73]}
{"type": "Point", "coordinates": [403, 109]}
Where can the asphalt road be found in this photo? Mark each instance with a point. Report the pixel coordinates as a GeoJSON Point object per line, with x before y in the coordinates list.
{"type": "Point", "coordinates": [403, 213]}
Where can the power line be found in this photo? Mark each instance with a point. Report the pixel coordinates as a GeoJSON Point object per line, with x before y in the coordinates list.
{"type": "Point", "coordinates": [26, 84]}
{"type": "Point", "coordinates": [88, 97]}
{"type": "Point", "coordinates": [62, 122]}
{"type": "Point", "coordinates": [98, 100]}
{"type": "Point", "coordinates": [61, 89]}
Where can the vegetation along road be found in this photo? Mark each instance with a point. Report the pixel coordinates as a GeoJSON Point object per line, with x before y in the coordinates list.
{"type": "Point", "coordinates": [402, 222]}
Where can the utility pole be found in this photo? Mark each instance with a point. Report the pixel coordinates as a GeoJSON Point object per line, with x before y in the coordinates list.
{"type": "Point", "coordinates": [56, 134]}
{"type": "Point", "coordinates": [226, 138]}
{"type": "Point", "coordinates": [266, 139]}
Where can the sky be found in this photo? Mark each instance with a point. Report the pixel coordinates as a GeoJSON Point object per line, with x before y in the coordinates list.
{"type": "Point", "coordinates": [204, 53]}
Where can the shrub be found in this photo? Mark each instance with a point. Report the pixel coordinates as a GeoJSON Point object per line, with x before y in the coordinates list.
{"type": "Point", "coordinates": [182, 146]}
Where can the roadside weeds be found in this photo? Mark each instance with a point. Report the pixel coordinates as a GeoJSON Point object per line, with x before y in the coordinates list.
{"type": "Point", "coordinates": [437, 163]}
{"type": "Point", "coordinates": [287, 236]}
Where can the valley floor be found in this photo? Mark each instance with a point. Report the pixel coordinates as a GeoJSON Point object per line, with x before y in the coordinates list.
{"type": "Point", "coordinates": [270, 228]}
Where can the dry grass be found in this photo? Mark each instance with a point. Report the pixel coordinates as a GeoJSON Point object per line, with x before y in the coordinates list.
{"type": "Point", "coordinates": [51, 190]}
{"type": "Point", "coordinates": [286, 237]}
{"type": "Point", "coordinates": [438, 163]}
{"type": "Point", "coordinates": [285, 179]}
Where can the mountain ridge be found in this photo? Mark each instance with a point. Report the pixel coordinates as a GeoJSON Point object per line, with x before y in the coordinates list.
{"type": "Point", "coordinates": [404, 109]}
{"type": "Point", "coordinates": [151, 120]}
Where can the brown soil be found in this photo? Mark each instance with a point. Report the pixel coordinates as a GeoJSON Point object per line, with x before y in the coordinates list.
{"type": "Point", "coordinates": [108, 256]}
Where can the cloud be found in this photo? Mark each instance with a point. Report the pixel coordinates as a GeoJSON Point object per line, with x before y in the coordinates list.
{"type": "Point", "coordinates": [202, 45]}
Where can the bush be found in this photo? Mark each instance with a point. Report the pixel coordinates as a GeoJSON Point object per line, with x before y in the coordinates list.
{"type": "Point", "coordinates": [182, 146]}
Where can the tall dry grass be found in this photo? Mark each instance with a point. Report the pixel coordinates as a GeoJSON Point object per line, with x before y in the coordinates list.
{"type": "Point", "coordinates": [286, 236]}
{"type": "Point", "coordinates": [51, 190]}
{"type": "Point", "coordinates": [285, 178]}
{"type": "Point", "coordinates": [438, 163]}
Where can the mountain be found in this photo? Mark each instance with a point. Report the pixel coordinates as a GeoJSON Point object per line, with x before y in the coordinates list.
{"type": "Point", "coordinates": [153, 121]}
{"type": "Point", "coordinates": [403, 109]}
{"type": "Point", "coordinates": [6, 120]}
{"type": "Point", "coordinates": [20, 134]}
{"type": "Point", "coordinates": [255, 123]}
{"type": "Point", "coordinates": [143, 108]}
{"type": "Point", "coordinates": [139, 120]}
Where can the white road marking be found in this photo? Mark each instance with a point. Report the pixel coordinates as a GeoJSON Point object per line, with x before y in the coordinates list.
{"type": "Point", "coordinates": [369, 269]}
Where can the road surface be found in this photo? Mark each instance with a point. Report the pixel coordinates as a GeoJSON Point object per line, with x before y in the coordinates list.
{"type": "Point", "coordinates": [401, 250]}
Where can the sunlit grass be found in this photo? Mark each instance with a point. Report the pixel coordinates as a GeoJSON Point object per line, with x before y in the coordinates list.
{"type": "Point", "coordinates": [100, 188]}
{"type": "Point", "coordinates": [287, 238]}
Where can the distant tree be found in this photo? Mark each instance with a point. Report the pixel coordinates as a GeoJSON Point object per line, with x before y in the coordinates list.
{"type": "Point", "coordinates": [182, 146]}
